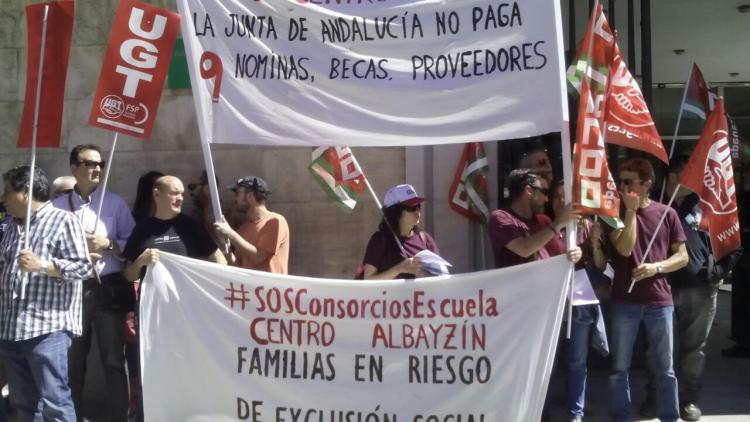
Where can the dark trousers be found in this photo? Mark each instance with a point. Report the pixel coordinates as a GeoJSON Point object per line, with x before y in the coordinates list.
{"type": "Point", "coordinates": [695, 309]}
{"type": "Point", "coordinates": [109, 327]}
{"type": "Point", "coordinates": [741, 301]}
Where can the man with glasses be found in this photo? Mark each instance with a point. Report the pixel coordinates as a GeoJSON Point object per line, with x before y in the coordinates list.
{"type": "Point", "coordinates": [650, 301]}
{"type": "Point", "coordinates": [522, 232]}
{"type": "Point", "coordinates": [262, 242]}
{"type": "Point", "coordinates": [107, 296]}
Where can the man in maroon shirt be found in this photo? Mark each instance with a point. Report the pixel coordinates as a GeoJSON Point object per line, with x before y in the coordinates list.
{"type": "Point", "coordinates": [650, 300]}
{"type": "Point", "coordinates": [522, 232]}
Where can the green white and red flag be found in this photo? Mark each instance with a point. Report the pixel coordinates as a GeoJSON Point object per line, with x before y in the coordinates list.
{"type": "Point", "coordinates": [709, 173]}
{"type": "Point", "coordinates": [338, 173]}
{"type": "Point", "coordinates": [468, 192]}
{"type": "Point", "coordinates": [594, 188]}
{"type": "Point", "coordinates": [696, 94]}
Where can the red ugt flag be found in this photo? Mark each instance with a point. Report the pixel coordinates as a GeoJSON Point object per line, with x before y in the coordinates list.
{"type": "Point", "coordinates": [55, 68]}
{"type": "Point", "coordinates": [709, 174]}
{"type": "Point", "coordinates": [134, 69]}
{"type": "Point", "coordinates": [629, 121]}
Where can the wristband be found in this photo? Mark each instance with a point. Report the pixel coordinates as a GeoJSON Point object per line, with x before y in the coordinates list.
{"type": "Point", "coordinates": [659, 269]}
{"type": "Point", "coordinates": [43, 270]}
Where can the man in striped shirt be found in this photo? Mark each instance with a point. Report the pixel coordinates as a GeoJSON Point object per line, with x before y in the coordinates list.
{"type": "Point", "coordinates": [40, 297]}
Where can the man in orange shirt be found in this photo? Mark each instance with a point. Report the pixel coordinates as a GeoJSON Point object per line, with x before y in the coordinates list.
{"type": "Point", "coordinates": [262, 242]}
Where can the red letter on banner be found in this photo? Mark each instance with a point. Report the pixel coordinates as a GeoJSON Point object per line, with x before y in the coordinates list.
{"type": "Point", "coordinates": [134, 69]}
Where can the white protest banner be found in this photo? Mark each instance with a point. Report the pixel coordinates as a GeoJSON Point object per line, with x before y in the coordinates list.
{"type": "Point", "coordinates": [221, 343]}
{"type": "Point", "coordinates": [374, 73]}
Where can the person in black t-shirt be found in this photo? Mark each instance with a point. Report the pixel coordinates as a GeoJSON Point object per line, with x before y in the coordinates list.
{"type": "Point", "coordinates": [168, 230]}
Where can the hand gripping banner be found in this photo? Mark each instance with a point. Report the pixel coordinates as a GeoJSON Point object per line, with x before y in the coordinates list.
{"type": "Point", "coordinates": [223, 344]}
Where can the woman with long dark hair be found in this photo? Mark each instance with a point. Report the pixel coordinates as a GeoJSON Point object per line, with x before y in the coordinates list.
{"type": "Point", "coordinates": [385, 258]}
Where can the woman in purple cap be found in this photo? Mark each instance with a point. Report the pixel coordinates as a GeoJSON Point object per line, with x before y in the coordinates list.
{"type": "Point", "coordinates": [391, 250]}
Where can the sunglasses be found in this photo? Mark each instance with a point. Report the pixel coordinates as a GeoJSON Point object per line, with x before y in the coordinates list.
{"type": "Point", "coordinates": [91, 164]}
{"type": "Point", "coordinates": [629, 182]}
{"type": "Point", "coordinates": [194, 186]}
{"type": "Point", "coordinates": [412, 208]}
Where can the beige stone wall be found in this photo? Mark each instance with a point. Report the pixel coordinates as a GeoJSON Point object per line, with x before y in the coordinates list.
{"type": "Point", "coordinates": [325, 241]}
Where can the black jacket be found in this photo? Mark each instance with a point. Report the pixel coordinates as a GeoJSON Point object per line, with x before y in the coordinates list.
{"type": "Point", "coordinates": [701, 268]}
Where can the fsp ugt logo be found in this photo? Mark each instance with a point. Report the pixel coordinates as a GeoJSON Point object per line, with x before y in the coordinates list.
{"type": "Point", "coordinates": [718, 176]}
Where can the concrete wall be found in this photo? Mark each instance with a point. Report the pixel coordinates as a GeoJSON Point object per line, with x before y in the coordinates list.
{"type": "Point", "coordinates": [325, 241]}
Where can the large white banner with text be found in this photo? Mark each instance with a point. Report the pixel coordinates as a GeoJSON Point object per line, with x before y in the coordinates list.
{"type": "Point", "coordinates": [375, 72]}
{"type": "Point", "coordinates": [221, 343]}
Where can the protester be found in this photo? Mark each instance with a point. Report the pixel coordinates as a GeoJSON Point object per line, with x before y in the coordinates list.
{"type": "Point", "coordinates": [522, 233]}
{"type": "Point", "coordinates": [587, 324]}
{"type": "Point", "coordinates": [537, 160]}
{"type": "Point", "coordinates": [262, 242]}
{"type": "Point", "coordinates": [650, 301]}
{"type": "Point", "coordinates": [61, 185]}
{"type": "Point", "coordinates": [143, 206]}
{"type": "Point", "coordinates": [384, 258]}
{"type": "Point", "coordinates": [168, 230]}
{"type": "Point", "coordinates": [107, 296]}
{"type": "Point", "coordinates": [741, 281]}
{"type": "Point", "coordinates": [36, 331]}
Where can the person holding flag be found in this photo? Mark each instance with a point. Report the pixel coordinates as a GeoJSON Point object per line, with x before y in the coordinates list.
{"type": "Point", "coordinates": [262, 242]}
{"type": "Point", "coordinates": [650, 301]}
{"type": "Point", "coordinates": [36, 330]}
{"type": "Point", "coordinates": [391, 250]}
{"type": "Point", "coordinates": [694, 291]}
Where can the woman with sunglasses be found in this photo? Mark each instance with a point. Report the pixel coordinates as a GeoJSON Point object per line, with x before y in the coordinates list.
{"type": "Point", "coordinates": [386, 259]}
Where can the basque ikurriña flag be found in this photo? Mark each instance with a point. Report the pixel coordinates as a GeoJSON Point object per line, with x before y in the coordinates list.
{"type": "Point", "coordinates": [709, 174]}
{"type": "Point", "coordinates": [57, 42]}
{"type": "Point", "coordinates": [468, 192]}
{"type": "Point", "coordinates": [338, 173]}
{"type": "Point", "coordinates": [594, 188]}
{"type": "Point", "coordinates": [696, 94]}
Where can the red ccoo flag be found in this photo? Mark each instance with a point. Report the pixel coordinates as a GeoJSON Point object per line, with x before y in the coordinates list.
{"type": "Point", "coordinates": [709, 174]}
{"type": "Point", "coordinates": [55, 67]}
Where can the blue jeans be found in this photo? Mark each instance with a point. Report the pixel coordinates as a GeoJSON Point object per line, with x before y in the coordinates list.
{"type": "Point", "coordinates": [576, 357]}
{"type": "Point", "coordinates": [695, 308]}
{"type": "Point", "coordinates": [38, 377]}
{"type": "Point", "coordinates": [626, 320]}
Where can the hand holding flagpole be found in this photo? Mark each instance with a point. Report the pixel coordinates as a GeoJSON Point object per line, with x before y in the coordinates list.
{"type": "Point", "coordinates": [656, 232]}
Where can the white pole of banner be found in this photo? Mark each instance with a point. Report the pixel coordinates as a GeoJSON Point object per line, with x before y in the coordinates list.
{"type": "Point", "coordinates": [565, 139]}
{"type": "Point", "coordinates": [34, 132]}
{"type": "Point", "coordinates": [656, 232]}
{"type": "Point", "coordinates": [377, 202]}
{"type": "Point", "coordinates": [103, 184]}
{"type": "Point", "coordinates": [676, 130]}
{"type": "Point", "coordinates": [200, 110]}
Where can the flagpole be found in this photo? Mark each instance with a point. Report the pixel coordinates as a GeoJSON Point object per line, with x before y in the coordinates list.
{"type": "Point", "coordinates": [380, 207]}
{"type": "Point", "coordinates": [676, 130]}
{"type": "Point", "coordinates": [187, 25]}
{"type": "Point", "coordinates": [103, 184]}
{"type": "Point", "coordinates": [656, 232]}
{"type": "Point", "coordinates": [34, 133]}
